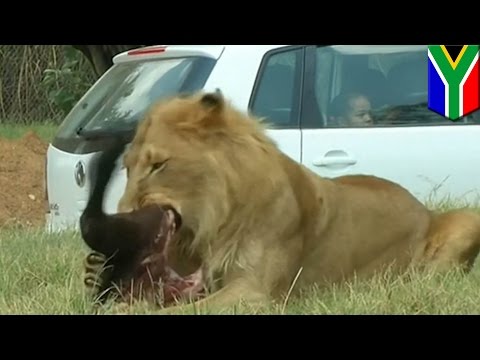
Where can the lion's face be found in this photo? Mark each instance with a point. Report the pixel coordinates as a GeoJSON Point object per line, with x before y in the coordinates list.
{"type": "Point", "coordinates": [201, 156]}
{"type": "Point", "coordinates": [174, 159]}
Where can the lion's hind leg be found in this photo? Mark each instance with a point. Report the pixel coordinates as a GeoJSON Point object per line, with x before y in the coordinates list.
{"type": "Point", "coordinates": [453, 241]}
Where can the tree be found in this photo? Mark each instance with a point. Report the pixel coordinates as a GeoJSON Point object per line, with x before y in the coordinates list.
{"type": "Point", "coordinates": [100, 56]}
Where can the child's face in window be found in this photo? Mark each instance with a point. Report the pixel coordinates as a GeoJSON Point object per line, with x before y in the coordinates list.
{"type": "Point", "coordinates": [359, 112]}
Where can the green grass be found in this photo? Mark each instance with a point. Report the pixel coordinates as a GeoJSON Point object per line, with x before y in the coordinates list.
{"type": "Point", "coordinates": [45, 131]}
{"type": "Point", "coordinates": [42, 274]}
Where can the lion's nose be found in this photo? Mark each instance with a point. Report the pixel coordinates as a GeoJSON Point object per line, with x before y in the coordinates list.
{"type": "Point", "coordinates": [124, 206]}
{"type": "Point", "coordinates": [124, 209]}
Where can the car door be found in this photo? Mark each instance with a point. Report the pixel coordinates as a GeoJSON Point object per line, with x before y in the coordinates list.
{"type": "Point", "coordinates": [436, 159]}
{"type": "Point", "coordinates": [277, 94]}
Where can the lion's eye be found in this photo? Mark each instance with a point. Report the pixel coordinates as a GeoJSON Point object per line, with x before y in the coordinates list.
{"type": "Point", "coordinates": [159, 166]}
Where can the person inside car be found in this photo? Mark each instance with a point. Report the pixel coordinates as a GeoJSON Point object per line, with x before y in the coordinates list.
{"type": "Point", "coordinates": [351, 109]}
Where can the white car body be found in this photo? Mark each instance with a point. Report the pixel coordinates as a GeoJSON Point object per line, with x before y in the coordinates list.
{"type": "Point", "coordinates": [423, 156]}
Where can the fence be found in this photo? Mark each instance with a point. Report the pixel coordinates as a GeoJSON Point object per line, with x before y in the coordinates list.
{"type": "Point", "coordinates": [40, 83]}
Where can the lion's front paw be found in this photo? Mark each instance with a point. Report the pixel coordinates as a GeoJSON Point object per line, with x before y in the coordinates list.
{"type": "Point", "coordinates": [94, 277]}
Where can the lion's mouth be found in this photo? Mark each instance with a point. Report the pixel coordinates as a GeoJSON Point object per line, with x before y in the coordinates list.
{"type": "Point", "coordinates": [174, 286]}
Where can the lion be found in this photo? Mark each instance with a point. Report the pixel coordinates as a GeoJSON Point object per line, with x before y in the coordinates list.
{"type": "Point", "coordinates": [263, 225]}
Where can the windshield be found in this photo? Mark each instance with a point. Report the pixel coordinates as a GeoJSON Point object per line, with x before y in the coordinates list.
{"type": "Point", "coordinates": [392, 81]}
{"type": "Point", "coordinates": [122, 96]}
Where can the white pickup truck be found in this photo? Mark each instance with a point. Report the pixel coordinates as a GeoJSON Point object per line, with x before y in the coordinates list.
{"type": "Point", "coordinates": [296, 88]}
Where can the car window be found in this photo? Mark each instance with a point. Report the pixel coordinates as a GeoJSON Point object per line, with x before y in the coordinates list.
{"type": "Point", "coordinates": [276, 94]}
{"type": "Point", "coordinates": [374, 86]}
{"type": "Point", "coordinates": [123, 95]}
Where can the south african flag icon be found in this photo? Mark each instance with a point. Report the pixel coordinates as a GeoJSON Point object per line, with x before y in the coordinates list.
{"type": "Point", "coordinates": [453, 80]}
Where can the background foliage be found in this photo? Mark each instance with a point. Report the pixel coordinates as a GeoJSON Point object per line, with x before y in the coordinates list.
{"type": "Point", "coordinates": [41, 83]}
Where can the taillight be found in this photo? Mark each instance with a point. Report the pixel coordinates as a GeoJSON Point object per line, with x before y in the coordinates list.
{"type": "Point", "coordinates": [147, 51]}
{"type": "Point", "coordinates": [45, 189]}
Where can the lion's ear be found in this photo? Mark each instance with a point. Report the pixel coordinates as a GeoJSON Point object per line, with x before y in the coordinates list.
{"type": "Point", "coordinates": [214, 100]}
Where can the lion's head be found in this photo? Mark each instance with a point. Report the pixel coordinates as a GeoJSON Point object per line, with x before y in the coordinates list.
{"type": "Point", "coordinates": [205, 158]}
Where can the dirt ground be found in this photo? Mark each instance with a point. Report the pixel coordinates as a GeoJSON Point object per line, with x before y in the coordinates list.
{"type": "Point", "coordinates": [22, 179]}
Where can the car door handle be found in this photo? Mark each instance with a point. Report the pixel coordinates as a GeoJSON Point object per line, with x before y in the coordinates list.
{"type": "Point", "coordinates": [335, 158]}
